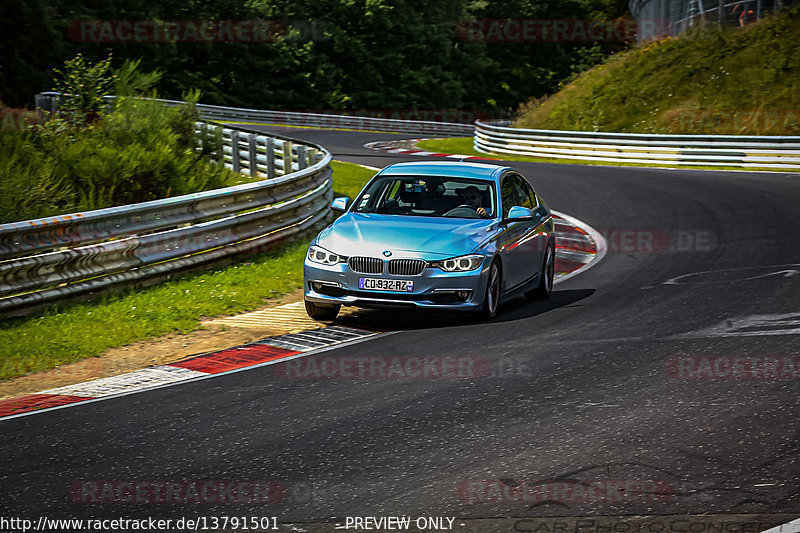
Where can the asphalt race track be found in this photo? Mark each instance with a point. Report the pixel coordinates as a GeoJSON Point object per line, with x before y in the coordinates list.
{"type": "Point", "coordinates": [595, 385]}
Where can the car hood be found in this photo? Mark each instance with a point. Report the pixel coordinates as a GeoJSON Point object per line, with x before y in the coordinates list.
{"type": "Point", "coordinates": [405, 236]}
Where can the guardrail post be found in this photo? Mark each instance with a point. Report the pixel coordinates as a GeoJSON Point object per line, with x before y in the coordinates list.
{"type": "Point", "coordinates": [312, 155]}
{"type": "Point", "coordinates": [302, 158]}
{"type": "Point", "coordinates": [270, 157]}
{"type": "Point", "coordinates": [203, 137]}
{"type": "Point", "coordinates": [287, 157]}
{"type": "Point", "coordinates": [235, 163]}
{"type": "Point", "coordinates": [252, 155]}
{"type": "Point", "coordinates": [219, 149]}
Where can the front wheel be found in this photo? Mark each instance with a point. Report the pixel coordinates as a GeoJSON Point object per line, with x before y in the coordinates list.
{"type": "Point", "coordinates": [542, 292]}
{"type": "Point", "coordinates": [491, 301]}
{"type": "Point", "coordinates": [321, 311]}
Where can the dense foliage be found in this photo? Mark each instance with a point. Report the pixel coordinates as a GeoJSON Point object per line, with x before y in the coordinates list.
{"type": "Point", "coordinates": [136, 150]}
{"type": "Point", "coordinates": [326, 54]}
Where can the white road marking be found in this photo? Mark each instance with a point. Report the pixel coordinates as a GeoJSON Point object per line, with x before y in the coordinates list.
{"type": "Point", "coordinates": [735, 274]}
{"type": "Point", "coordinates": [789, 527]}
{"type": "Point", "coordinates": [750, 326]}
{"type": "Point", "coordinates": [313, 339]}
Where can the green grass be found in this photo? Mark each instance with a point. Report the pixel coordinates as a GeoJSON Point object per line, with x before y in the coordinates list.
{"type": "Point", "coordinates": [463, 145]}
{"type": "Point", "coordinates": [60, 336]}
{"type": "Point", "coordinates": [349, 179]}
{"type": "Point", "coordinates": [729, 81]}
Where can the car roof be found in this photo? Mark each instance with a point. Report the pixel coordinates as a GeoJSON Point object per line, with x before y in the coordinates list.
{"type": "Point", "coordinates": [454, 169]}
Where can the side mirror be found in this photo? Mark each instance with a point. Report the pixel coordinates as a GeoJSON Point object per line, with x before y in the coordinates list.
{"type": "Point", "coordinates": [518, 213]}
{"type": "Point", "coordinates": [340, 204]}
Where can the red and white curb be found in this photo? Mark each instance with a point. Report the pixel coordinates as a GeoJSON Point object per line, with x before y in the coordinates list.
{"type": "Point", "coordinates": [259, 353]}
{"type": "Point", "coordinates": [396, 147]}
{"type": "Point", "coordinates": [578, 246]}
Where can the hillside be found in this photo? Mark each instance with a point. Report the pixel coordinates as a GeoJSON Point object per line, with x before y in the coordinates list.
{"type": "Point", "coordinates": [729, 81]}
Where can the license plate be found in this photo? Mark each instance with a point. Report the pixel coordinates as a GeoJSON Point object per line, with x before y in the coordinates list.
{"type": "Point", "coordinates": [377, 284]}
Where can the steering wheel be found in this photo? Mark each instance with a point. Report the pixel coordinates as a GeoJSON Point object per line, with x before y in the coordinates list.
{"type": "Point", "coordinates": [463, 210]}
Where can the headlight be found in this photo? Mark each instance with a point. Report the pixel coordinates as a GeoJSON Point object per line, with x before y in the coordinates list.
{"type": "Point", "coordinates": [463, 263]}
{"type": "Point", "coordinates": [323, 256]}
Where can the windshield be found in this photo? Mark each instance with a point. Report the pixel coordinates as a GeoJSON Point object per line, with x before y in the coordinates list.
{"type": "Point", "coordinates": [428, 196]}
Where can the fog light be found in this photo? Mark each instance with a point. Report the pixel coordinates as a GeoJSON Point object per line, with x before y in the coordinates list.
{"type": "Point", "coordinates": [463, 294]}
{"type": "Point", "coordinates": [323, 286]}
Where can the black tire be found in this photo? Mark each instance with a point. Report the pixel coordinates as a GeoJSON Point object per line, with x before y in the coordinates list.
{"type": "Point", "coordinates": [548, 272]}
{"type": "Point", "coordinates": [322, 311]}
{"type": "Point", "coordinates": [494, 284]}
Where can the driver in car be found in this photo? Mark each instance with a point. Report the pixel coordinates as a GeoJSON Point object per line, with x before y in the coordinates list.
{"type": "Point", "coordinates": [473, 197]}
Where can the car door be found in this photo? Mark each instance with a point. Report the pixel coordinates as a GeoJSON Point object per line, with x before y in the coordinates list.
{"type": "Point", "coordinates": [536, 239]}
{"type": "Point", "coordinates": [515, 256]}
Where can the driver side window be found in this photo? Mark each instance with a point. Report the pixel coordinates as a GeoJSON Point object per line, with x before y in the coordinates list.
{"type": "Point", "coordinates": [526, 195]}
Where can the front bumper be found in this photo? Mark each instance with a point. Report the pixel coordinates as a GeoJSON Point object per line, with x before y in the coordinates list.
{"type": "Point", "coordinates": [433, 289]}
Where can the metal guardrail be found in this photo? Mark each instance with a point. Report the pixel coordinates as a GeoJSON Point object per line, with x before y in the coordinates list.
{"type": "Point", "coordinates": [309, 120]}
{"type": "Point", "coordinates": [672, 17]}
{"type": "Point", "coordinates": [322, 121]}
{"type": "Point", "coordinates": [705, 150]}
{"type": "Point", "coordinates": [52, 258]}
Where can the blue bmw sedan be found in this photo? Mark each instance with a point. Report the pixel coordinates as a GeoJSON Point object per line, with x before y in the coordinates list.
{"type": "Point", "coordinates": [456, 236]}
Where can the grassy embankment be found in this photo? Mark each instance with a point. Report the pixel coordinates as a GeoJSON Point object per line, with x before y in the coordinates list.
{"type": "Point", "coordinates": [718, 81]}
{"type": "Point", "coordinates": [75, 332]}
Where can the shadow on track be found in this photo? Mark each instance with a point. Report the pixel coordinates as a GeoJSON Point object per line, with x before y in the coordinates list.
{"type": "Point", "coordinates": [411, 319]}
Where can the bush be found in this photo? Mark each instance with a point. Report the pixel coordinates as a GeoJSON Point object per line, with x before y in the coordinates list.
{"type": "Point", "coordinates": [139, 150]}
